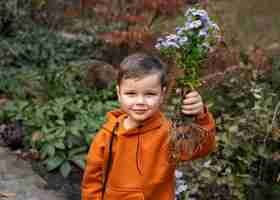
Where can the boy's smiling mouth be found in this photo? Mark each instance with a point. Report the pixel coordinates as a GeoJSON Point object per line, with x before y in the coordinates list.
{"type": "Point", "coordinates": [140, 111]}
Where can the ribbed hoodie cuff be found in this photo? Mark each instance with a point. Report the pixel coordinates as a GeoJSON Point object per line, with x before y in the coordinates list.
{"type": "Point", "coordinates": [202, 117]}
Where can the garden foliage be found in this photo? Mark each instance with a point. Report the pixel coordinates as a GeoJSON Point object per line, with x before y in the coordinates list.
{"type": "Point", "coordinates": [36, 46]}
{"type": "Point", "coordinates": [128, 26]}
{"type": "Point", "coordinates": [41, 76]}
{"type": "Point", "coordinates": [42, 80]}
{"type": "Point", "coordinates": [59, 114]}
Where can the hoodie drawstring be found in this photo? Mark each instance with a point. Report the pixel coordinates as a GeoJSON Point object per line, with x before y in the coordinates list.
{"type": "Point", "coordinates": [110, 157]}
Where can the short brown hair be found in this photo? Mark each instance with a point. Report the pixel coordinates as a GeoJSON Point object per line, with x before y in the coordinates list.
{"type": "Point", "coordinates": [139, 64]}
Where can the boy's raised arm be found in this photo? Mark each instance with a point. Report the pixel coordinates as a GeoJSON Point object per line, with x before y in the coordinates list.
{"type": "Point", "coordinates": [91, 187]}
{"type": "Point", "coordinates": [206, 121]}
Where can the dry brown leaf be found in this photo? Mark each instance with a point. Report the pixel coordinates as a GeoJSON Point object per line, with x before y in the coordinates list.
{"type": "Point", "coordinates": [276, 156]}
{"type": "Point", "coordinates": [72, 12]}
{"type": "Point", "coordinates": [130, 18]}
{"type": "Point", "coordinates": [3, 101]}
{"type": "Point", "coordinates": [7, 194]}
{"type": "Point", "coordinates": [276, 132]}
{"type": "Point", "coordinates": [36, 136]}
{"type": "Point", "coordinates": [259, 59]}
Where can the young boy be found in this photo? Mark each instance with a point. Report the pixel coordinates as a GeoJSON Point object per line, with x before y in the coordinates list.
{"type": "Point", "coordinates": [129, 157]}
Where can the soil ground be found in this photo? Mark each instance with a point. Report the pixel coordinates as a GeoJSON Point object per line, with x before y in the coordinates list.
{"type": "Point", "coordinates": [70, 186]}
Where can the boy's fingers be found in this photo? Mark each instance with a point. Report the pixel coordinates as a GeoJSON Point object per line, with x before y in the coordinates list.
{"type": "Point", "coordinates": [191, 100]}
{"type": "Point", "coordinates": [191, 112]}
{"type": "Point", "coordinates": [192, 104]}
{"type": "Point", "coordinates": [192, 94]}
{"type": "Point", "coordinates": [197, 106]}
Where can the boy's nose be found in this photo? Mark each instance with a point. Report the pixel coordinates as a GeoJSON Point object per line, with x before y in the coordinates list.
{"type": "Point", "coordinates": [140, 100]}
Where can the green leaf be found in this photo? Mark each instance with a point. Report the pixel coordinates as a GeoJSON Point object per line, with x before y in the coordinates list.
{"type": "Point", "coordinates": [44, 151]}
{"type": "Point", "coordinates": [205, 173]}
{"type": "Point", "coordinates": [79, 161]}
{"type": "Point", "coordinates": [48, 130]}
{"type": "Point", "coordinates": [75, 130]}
{"type": "Point", "coordinates": [75, 151]}
{"type": "Point", "coordinates": [69, 142]}
{"type": "Point", "coordinates": [60, 132]}
{"type": "Point", "coordinates": [65, 169]}
{"type": "Point", "coordinates": [98, 108]}
{"type": "Point", "coordinates": [50, 137]}
{"type": "Point", "coordinates": [22, 105]}
{"type": "Point", "coordinates": [233, 128]}
{"type": "Point", "coordinates": [59, 144]}
{"type": "Point", "coordinates": [47, 150]}
{"type": "Point", "coordinates": [275, 190]}
{"type": "Point", "coordinates": [262, 151]}
{"type": "Point", "coordinates": [54, 162]}
{"type": "Point", "coordinates": [51, 150]}
{"type": "Point", "coordinates": [60, 122]}
{"type": "Point", "coordinates": [88, 138]}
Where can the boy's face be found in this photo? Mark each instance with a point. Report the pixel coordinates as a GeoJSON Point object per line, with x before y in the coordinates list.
{"type": "Point", "coordinates": [140, 98]}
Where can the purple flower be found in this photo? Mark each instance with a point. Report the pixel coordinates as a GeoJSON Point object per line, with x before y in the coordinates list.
{"type": "Point", "coordinates": [178, 29]}
{"type": "Point", "coordinates": [190, 11]}
{"type": "Point", "coordinates": [170, 44]}
{"type": "Point", "coordinates": [183, 40]}
{"type": "Point", "coordinates": [197, 25]}
{"type": "Point", "coordinates": [200, 13]}
{"type": "Point", "coordinates": [181, 185]}
{"type": "Point", "coordinates": [178, 174]}
{"type": "Point", "coordinates": [204, 18]}
{"type": "Point", "coordinates": [172, 37]}
{"type": "Point", "coordinates": [194, 24]}
{"type": "Point", "coordinates": [158, 46]}
{"type": "Point", "coordinates": [160, 39]}
{"type": "Point", "coordinates": [203, 32]}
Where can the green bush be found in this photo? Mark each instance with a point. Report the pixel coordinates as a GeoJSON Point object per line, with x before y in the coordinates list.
{"type": "Point", "coordinates": [38, 47]}
{"type": "Point", "coordinates": [60, 115]}
{"type": "Point", "coordinates": [275, 73]}
{"type": "Point", "coordinates": [41, 74]}
{"type": "Point", "coordinates": [13, 15]}
{"type": "Point", "coordinates": [60, 129]}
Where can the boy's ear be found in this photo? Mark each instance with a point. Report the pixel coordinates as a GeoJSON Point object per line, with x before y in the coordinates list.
{"type": "Point", "coordinates": [164, 90]}
{"type": "Point", "coordinates": [118, 91]}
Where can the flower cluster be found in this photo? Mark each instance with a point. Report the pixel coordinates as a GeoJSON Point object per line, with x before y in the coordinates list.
{"type": "Point", "coordinates": [181, 185]}
{"type": "Point", "coordinates": [191, 42]}
{"type": "Point", "coordinates": [197, 24]}
{"type": "Point", "coordinates": [188, 47]}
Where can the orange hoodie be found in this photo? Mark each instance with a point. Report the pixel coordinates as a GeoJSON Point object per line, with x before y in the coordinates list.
{"type": "Point", "coordinates": [140, 162]}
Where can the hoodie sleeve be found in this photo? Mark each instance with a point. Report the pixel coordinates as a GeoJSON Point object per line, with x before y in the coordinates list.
{"type": "Point", "coordinates": [91, 187]}
{"type": "Point", "coordinates": [206, 121]}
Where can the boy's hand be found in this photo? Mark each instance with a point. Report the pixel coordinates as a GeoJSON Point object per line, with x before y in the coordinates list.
{"type": "Point", "coordinates": [192, 103]}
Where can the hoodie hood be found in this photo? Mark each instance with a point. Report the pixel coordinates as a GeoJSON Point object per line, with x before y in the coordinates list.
{"type": "Point", "coordinates": [116, 118]}
{"type": "Point", "coordinates": [115, 125]}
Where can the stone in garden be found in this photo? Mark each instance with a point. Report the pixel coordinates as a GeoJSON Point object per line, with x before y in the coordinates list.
{"type": "Point", "coordinates": [19, 182]}
{"type": "Point", "coordinates": [100, 75]}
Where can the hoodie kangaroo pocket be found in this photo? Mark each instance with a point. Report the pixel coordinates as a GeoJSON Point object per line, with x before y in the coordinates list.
{"type": "Point", "coordinates": [123, 195]}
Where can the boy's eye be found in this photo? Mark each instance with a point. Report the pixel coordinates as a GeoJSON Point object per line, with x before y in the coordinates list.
{"type": "Point", "coordinates": [151, 93]}
{"type": "Point", "coordinates": [129, 93]}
